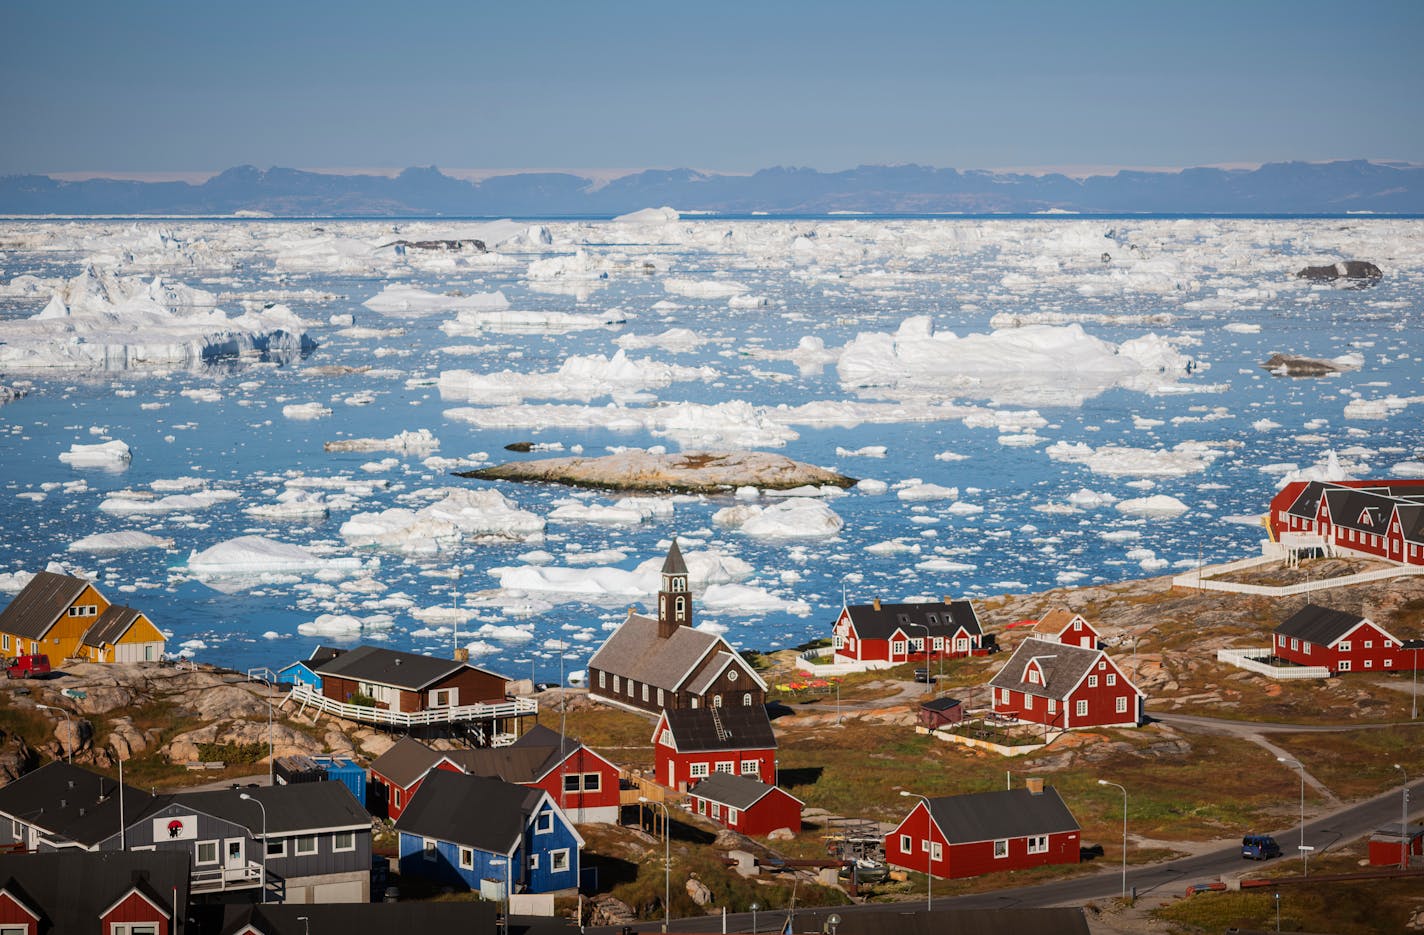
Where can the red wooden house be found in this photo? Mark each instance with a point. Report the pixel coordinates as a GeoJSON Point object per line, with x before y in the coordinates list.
{"type": "Point", "coordinates": [968, 835]}
{"type": "Point", "coordinates": [745, 805]}
{"type": "Point", "coordinates": [1061, 625]}
{"type": "Point", "coordinates": [896, 633]}
{"type": "Point", "coordinates": [407, 682]}
{"type": "Point", "coordinates": [1340, 641]}
{"type": "Point", "coordinates": [690, 744]}
{"type": "Point", "coordinates": [1065, 686]}
{"type": "Point", "coordinates": [582, 783]}
{"type": "Point", "coordinates": [75, 890]}
{"type": "Point", "coordinates": [1380, 518]}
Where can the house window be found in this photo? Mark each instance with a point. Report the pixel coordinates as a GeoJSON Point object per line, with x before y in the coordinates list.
{"type": "Point", "coordinates": [533, 861]}
{"type": "Point", "coordinates": [660, 697]}
{"type": "Point", "coordinates": [617, 684]}
{"type": "Point", "coordinates": [467, 858]}
{"type": "Point", "coordinates": [1344, 646]}
{"type": "Point", "coordinates": [681, 607]}
{"type": "Point", "coordinates": [746, 699]}
{"type": "Point", "coordinates": [1092, 681]}
{"type": "Point", "coordinates": [1307, 649]}
{"type": "Point", "coordinates": [559, 860]}
{"type": "Point", "coordinates": [1033, 676]}
{"type": "Point", "coordinates": [918, 644]}
{"type": "Point", "coordinates": [907, 846]}
{"type": "Point", "coordinates": [128, 928]}
{"type": "Point", "coordinates": [716, 701]}
{"type": "Point", "coordinates": [1004, 695]}
{"type": "Point", "coordinates": [1295, 644]}
{"type": "Point", "coordinates": [630, 688]}
{"type": "Point", "coordinates": [897, 648]}
{"type": "Point", "coordinates": [1344, 665]}
{"type": "Point", "coordinates": [1280, 640]}
{"type": "Point", "coordinates": [571, 782]}
{"type": "Point", "coordinates": [645, 691]}
{"type": "Point", "coordinates": [1053, 706]}
{"type": "Point", "coordinates": [717, 810]}
{"type": "Point", "coordinates": [1388, 644]}
{"type": "Point", "coordinates": [1369, 663]}
{"type": "Point", "coordinates": [665, 738]}
{"type": "Point", "coordinates": [1102, 666]}
{"type": "Point", "coordinates": [1028, 702]}
{"type": "Point", "coordinates": [5, 642]}
{"type": "Point", "coordinates": [1082, 709]}
{"type": "Point", "coordinates": [603, 680]}
{"type": "Point", "coordinates": [751, 767]}
{"type": "Point", "coordinates": [731, 815]}
{"type": "Point", "coordinates": [726, 766]}
{"type": "Point", "coordinates": [1122, 704]}
{"type": "Point", "coordinates": [697, 770]}
{"type": "Point", "coordinates": [207, 852]}
{"type": "Point", "coordinates": [936, 851]}
{"type": "Point", "coordinates": [702, 806]}
{"type": "Point", "coordinates": [838, 642]}
{"type": "Point", "coordinates": [1369, 644]}
{"type": "Point", "coordinates": [592, 782]}
{"type": "Point", "coordinates": [396, 796]}
{"type": "Point", "coordinates": [1038, 844]}
{"type": "Point", "coordinates": [431, 851]}
{"type": "Point", "coordinates": [1001, 849]}
{"type": "Point", "coordinates": [304, 844]}
{"type": "Point", "coordinates": [544, 823]}
{"type": "Point", "coordinates": [1111, 680]}
{"type": "Point", "coordinates": [343, 841]}
{"type": "Point", "coordinates": [277, 848]}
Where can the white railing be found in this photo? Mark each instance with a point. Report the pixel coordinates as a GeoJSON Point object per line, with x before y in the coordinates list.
{"type": "Point", "coordinates": [225, 878]}
{"type": "Point", "coordinates": [1304, 587]}
{"type": "Point", "coordinates": [306, 696]}
{"type": "Point", "coordinates": [262, 674]}
{"type": "Point", "coordinates": [1253, 660]}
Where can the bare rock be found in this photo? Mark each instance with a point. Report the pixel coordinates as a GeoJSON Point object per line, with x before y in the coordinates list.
{"type": "Point", "coordinates": [374, 744]}
{"type": "Point", "coordinates": [698, 891]}
{"type": "Point", "coordinates": [125, 739]}
{"type": "Point", "coordinates": [1293, 365]}
{"type": "Point", "coordinates": [221, 701]}
{"type": "Point", "coordinates": [73, 736]}
{"type": "Point", "coordinates": [608, 910]}
{"type": "Point", "coordinates": [285, 740]}
{"type": "Point", "coordinates": [1359, 273]}
{"type": "Point", "coordinates": [682, 472]}
{"type": "Point", "coordinates": [101, 699]}
{"type": "Point", "coordinates": [16, 757]}
{"type": "Point", "coordinates": [781, 834]}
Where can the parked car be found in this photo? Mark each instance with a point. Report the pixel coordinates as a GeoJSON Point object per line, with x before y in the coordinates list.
{"type": "Point", "coordinates": [1259, 847]}
{"type": "Point", "coordinates": [28, 666]}
{"type": "Point", "coordinates": [924, 675]}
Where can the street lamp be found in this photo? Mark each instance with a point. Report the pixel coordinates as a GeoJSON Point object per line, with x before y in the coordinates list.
{"type": "Point", "coordinates": [926, 650]}
{"type": "Point", "coordinates": [1403, 821]}
{"type": "Point", "coordinates": [245, 797]}
{"type": "Point", "coordinates": [503, 862]}
{"type": "Point", "coordinates": [1104, 782]}
{"type": "Point", "coordinates": [1414, 688]}
{"type": "Point", "coordinates": [271, 747]}
{"type": "Point", "coordinates": [69, 747]}
{"type": "Point", "coordinates": [832, 921]}
{"type": "Point", "coordinates": [1296, 764]}
{"type": "Point", "coordinates": [929, 843]}
{"type": "Point", "coordinates": [754, 908]}
{"type": "Point", "coordinates": [667, 860]}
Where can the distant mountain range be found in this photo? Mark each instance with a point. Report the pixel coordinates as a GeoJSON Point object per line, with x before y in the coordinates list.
{"type": "Point", "coordinates": [1275, 188]}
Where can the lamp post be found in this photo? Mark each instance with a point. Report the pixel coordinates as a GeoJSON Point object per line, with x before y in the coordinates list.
{"type": "Point", "coordinates": [754, 908]}
{"type": "Point", "coordinates": [504, 862]}
{"type": "Point", "coordinates": [69, 747]}
{"type": "Point", "coordinates": [247, 798]}
{"type": "Point", "coordinates": [832, 921]}
{"type": "Point", "coordinates": [271, 747]}
{"type": "Point", "coordinates": [1104, 782]}
{"type": "Point", "coordinates": [1296, 764]}
{"type": "Point", "coordinates": [1278, 912]}
{"type": "Point", "coordinates": [1403, 820]}
{"type": "Point", "coordinates": [929, 844]}
{"type": "Point", "coordinates": [926, 650]}
{"type": "Point", "coordinates": [838, 711]}
{"type": "Point", "coordinates": [667, 860]}
{"type": "Point", "coordinates": [1414, 688]}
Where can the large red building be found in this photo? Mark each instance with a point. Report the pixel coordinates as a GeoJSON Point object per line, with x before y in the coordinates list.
{"type": "Point", "coordinates": [897, 633]}
{"type": "Point", "coordinates": [1065, 686]}
{"type": "Point", "coordinates": [745, 805]}
{"type": "Point", "coordinates": [691, 744]}
{"type": "Point", "coordinates": [1381, 518]}
{"type": "Point", "coordinates": [1340, 641]}
{"type": "Point", "coordinates": [984, 832]}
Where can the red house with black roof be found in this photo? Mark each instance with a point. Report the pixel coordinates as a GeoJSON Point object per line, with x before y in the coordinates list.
{"type": "Point", "coordinates": [84, 891]}
{"type": "Point", "coordinates": [983, 832]}
{"type": "Point", "coordinates": [1064, 686]}
{"type": "Point", "coordinates": [745, 805]}
{"type": "Point", "coordinates": [1340, 641]}
{"type": "Point", "coordinates": [1379, 518]}
{"type": "Point", "coordinates": [691, 744]}
{"type": "Point", "coordinates": [896, 633]}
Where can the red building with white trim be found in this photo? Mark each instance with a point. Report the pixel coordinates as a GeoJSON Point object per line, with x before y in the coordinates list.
{"type": "Point", "coordinates": [1067, 687]}
{"type": "Point", "coordinates": [691, 744]}
{"type": "Point", "coordinates": [745, 805]}
{"type": "Point", "coordinates": [1340, 641]}
{"type": "Point", "coordinates": [896, 633]}
{"type": "Point", "coordinates": [984, 832]}
{"type": "Point", "coordinates": [1061, 625]}
{"type": "Point", "coordinates": [1379, 518]}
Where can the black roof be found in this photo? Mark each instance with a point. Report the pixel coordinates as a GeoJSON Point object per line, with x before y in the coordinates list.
{"type": "Point", "coordinates": [291, 808]}
{"type": "Point", "coordinates": [903, 920]}
{"type": "Point", "coordinates": [476, 811]}
{"type": "Point", "coordinates": [743, 727]}
{"type": "Point", "coordinates": [1362, 510]}
{"type": "Point", "coordinates": [740, 792]}
{"type": "Point", "coordinates": [38, 605]}
{"type": "Point", "coordinates": [406, 761]}
{"type": "Point", "coordinates": [410, 671]}
{"type": "Point", "coordinates": [400, 918]}
{"type": "Point", "coordinates": [69, 802]}
{"type": "Point", "coordinates": [71, 888]}
{"type": "Point", "coordinates": [1007, 813]}
{"type": "Point", "coordinates": [944, 619]}
{"type": "Point", "coordinates": [1307, 503]}
{"type": "Point", "coordinates": [941, 704]}
{"type": "Point", "coordinates": [1319, 625]}
{"type": "Point", "coordinates": [323, 654]}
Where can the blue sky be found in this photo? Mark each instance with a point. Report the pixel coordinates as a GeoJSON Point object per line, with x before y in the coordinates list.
{"type": "Point", "coordinates": [138, 87]}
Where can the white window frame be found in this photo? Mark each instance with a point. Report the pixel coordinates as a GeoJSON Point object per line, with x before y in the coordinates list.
{"type": "Point", "coordinates": [936, 851]}
{"type": "Point", "coordinates": [198, 852]}
{"type": "Point", "coordinates": [602, 679]}
{"type": "Point", "coordinates": [727, 766]}
{"type": "Point", "coordinates": [897, 647]}
{"type": "Point", "coordinates": [1344, 665]}
{"type": "Point", "coordinates": [1111, 680]}
{"type": "Point", "coordinates": [534, 860]}
{"type": "Point", "coordinates": [907, 844]}
{"type": "Point", "coordinates": [645, 692]}
{"type": "Point", "coordinates": [299, 851]}
{"type": "Point", "coordinates": [1081, 709]}
{"type": "Point", "coordinates": [592, 782]}
{"type": "Point", "coordinates": [698, 770]}
{"type": "Point", "coordinates": [336, 847]}
{"type": "Point", "coordinates": [751, 767]}
{"type": "Point", "coordinates": [1344, 646]}
{"type": "Point", "coordinates": [559, 861]}
{"type": "Point", "coordinates": [660, 697]}
{"type": "Point", "coordinates": [1092, 681]}
{"type": "Point", "coordinates": [1001, 849]}
{"type": "Point", "coordinates": [430, 849]}
{"type": "Point", "coordinates": [544, 822]}
{"type": "Point", "coordinates": [467, 858]}
{"type": "Point", "coordinates": [1053, 706]}
{"type": "Point", "coordinates": [275, 847]}
{"type": "Point", "coordinates": [731, 815]}
{"type": "Point", "coordinates": [1028, 702]}
{"type": "Point", "coordinates": [1037, 843]}
{"type": "Point", "coordinates": [1122, 704]}
{"type": "Point", "coordinates": [118, 928]}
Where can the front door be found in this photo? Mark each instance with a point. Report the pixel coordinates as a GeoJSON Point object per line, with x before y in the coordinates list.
{"type": "Point", "coordinates": [234, 861]}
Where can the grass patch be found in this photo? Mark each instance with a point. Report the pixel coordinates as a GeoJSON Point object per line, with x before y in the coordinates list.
{"type": "Point", "coordinates": [1365, 907]}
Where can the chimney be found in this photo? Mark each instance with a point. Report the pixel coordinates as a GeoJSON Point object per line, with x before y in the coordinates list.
{"type": "Point", "coordinates": [1034, 784]}
{"type": "Point", "coordinates": [462, 654]}
{"type": "Point", "coordinates": [875, 603]}
{"type": "Point", "coordinates": [948, 599]}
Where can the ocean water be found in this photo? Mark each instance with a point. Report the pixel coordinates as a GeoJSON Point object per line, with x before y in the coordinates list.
{"type": "Point", "coordinates": [1015, 433]}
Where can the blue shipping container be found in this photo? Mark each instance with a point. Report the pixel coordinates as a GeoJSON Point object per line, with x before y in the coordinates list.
{"type": "Point", "coordinates": [342, 770]}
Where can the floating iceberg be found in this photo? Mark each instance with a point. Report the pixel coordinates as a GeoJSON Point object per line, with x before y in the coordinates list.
{"type": "Point", "coordinates": [256, 555]}
{"type": "Point", "coordinates": [119, 542]}
{"type": "Point", "coordinates": [460, 515]}
{"type": "Point", "coordinates": [114, 455]}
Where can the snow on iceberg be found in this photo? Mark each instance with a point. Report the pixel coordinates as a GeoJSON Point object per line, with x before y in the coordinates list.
{"type": "Point", "coordinates": [580, 378]}
{"type": "Point", "coordinates": [1188, 457]}
{"type": "Point", "coordinates": [787, 519]}
{"type": "Point", "coordinates": [408, 300]}
{"type": "Point", "coordinates": [114, 455]}
{"type": "Point", "coordinates": [256, 555]}
{"type": "Point", "coordinates": [119, 542]}
{"type": "Point", "coordinates": [648, 216]}
{"type": "Point", "coordinates": [460, 515]}
{"type": "Point", "coordinates": [1159, 505]}
{"type": "Point", "coordinates": [417, 442]}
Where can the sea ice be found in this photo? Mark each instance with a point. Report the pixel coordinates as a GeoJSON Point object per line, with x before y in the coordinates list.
{"type": "Point", "coordinates": [787, 519]}
{"type": "Point", "coordinates": [461, 514]}
{"type": "Point", "coordinates": [119, 542]}
{"type": "Point", "coordinates": [111, 455]}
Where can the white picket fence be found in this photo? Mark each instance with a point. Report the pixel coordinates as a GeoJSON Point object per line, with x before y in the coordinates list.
{"type": "Point", "coordinates": [1202, 580]}
{"type": "Point", "coordinates": [1253, 661]}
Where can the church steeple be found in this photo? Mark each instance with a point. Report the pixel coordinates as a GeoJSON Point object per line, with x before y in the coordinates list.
{"type": "Point", "coordinates": [674, 598]}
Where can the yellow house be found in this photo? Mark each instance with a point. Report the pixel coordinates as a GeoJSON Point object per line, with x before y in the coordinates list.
{"type": "Point", "coordinates": [64, 617]}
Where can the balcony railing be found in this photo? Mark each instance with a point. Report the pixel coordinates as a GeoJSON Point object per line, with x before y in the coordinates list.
{"type": "Point", "coordinates": [307, 697]}
{"type": "Point", "coordinates": [220, 879]}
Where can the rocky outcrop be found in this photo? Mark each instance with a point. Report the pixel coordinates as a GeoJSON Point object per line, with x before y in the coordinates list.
{"type": "Point", "coordinates": [683, 472]}
{"type": "Point", "coordinates": [16, 757]}
{"type": "Point", "coordinates": [286, 741]}
{"type": "Point", "coordinates": [1292, 365]}
{"type": "Point", "coordinates": [1359, 273]}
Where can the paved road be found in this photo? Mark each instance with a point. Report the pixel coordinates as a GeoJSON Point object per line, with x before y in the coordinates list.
{"type": "Point", "coordinates": [1340, 826]}
{"type": "Point", "coordinates": [1220, 725]}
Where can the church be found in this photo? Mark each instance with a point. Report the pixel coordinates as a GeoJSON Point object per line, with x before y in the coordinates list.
{"type": "Point", "coordinates": [655, 663]}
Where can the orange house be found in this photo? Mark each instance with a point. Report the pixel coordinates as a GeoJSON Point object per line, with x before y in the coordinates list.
{"type": "Point", "coordinates": [66, 617]}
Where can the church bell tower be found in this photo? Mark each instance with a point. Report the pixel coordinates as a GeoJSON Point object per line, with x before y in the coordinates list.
{"type": "Point", "coordinates": [674, 599]}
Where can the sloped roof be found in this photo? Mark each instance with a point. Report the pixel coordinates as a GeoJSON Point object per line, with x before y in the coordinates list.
{"type": "Point", "coordinates": [406, 761]}
{"type": "Point", "coordinates": [1056, 621]}
{"type": "Point", "coordinates": [38, 605]}
{"type": "Point", "coordinates": [674, 564]}
{"type": "Point", "coordinates": [69, 889]}
{"type": "Point", "coordinates": [1411, 521]}
{"type": "Point", "coordinates": [111, 626]}
{"type": "Point", "coordinates": [943, 619]}
{"type": "Point", "coordinates": [409, 671]}
{"type": "Point", "coordinates": [635, 651]}
{"type": "Point", "coordinates": [744, 727]}
{"type": "Point", "coordinates": [291, 808]}
{"type": "Point", "coordinates": [512, 764]}
{"type": "Point", "coordinates": [1063, 667]}
{"type": "Point", "coordinates": [69, 802]}
{"type": "Point", "coordinates": [323, 654]}
{"type": "Point", "coordinates": [476, 811]}
{"type": "Point", "coordinates": [719, 663]}
{"type": "Point", "coordinates": [1307, 502]}
{"type": "Point", "coordinates": [1348, 504]}
{"type": "Point", "coordinates": [400, 918]}
{"type": "Point", "coordinates": [739, 792]}
{"type": "Point", "coordinates": [1319, 625]}
{"type": "Point", "coordinates": [1006, 813]}
{"type": "Point", "coordinates": [941, 704]}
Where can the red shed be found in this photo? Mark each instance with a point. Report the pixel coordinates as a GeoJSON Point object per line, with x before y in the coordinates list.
{"type": "Point", "coordinates": [1065, 686]}
{"type": "Point", "coordinates": [968, 835]}
{"type": "Point", "coordinates": [1385, 844]}
{"type": "Point", "coordinates": [745, 805]}
{"type": "Point", "coordinates": [941, 712]}
{"type": "Point", "coordinates": [1340, 641]}
{"type": "Point", "coordinates": [693, 743]}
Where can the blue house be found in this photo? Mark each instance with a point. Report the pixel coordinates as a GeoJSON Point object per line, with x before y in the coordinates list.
{"type": "Point", "coordinates": [456, 826]}
{"type": "Point", "coordinates": [304, 672]}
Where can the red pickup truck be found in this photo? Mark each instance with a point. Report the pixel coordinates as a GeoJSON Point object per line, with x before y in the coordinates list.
{"type": "Point", "coordinates": [27, 666]}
